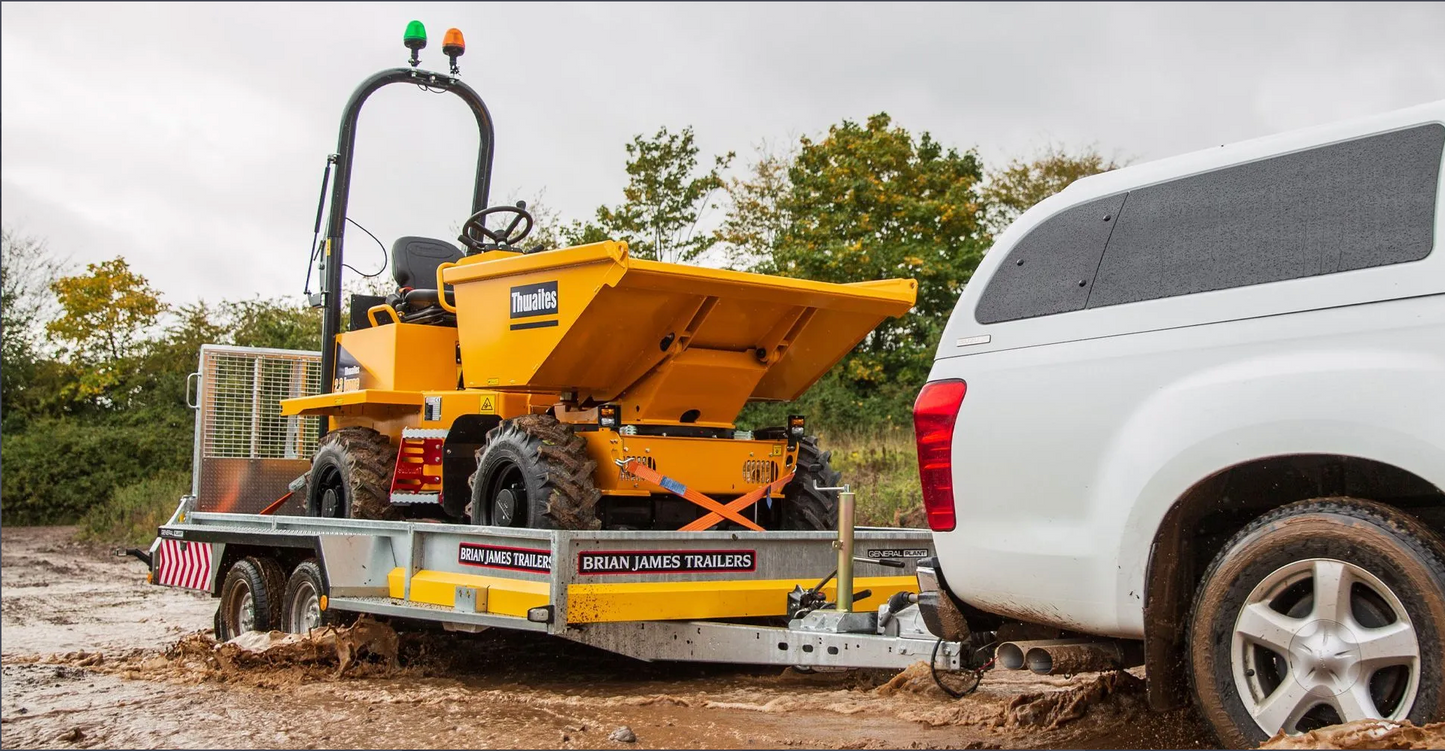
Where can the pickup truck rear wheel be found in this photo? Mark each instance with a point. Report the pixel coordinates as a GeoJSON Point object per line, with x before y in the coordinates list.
{"type": "Point", "coordinates": [1317, 613]}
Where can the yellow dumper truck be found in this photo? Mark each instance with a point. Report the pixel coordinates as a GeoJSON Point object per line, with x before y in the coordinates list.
{"type": "Point", "coordinates": [571, 388]}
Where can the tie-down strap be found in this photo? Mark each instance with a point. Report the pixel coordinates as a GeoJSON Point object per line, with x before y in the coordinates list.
{"type": "Point", "coordinates": [639, 469]}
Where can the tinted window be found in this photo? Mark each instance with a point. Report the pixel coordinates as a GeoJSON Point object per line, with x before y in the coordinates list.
{"type": "Point", "coordinates": [1051, 268]}
{"type": "Point", "coordinates": [1353, 205]}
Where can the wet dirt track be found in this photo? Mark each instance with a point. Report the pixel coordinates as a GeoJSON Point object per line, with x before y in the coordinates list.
{"type": "Point", "coordinates": [487, 690]}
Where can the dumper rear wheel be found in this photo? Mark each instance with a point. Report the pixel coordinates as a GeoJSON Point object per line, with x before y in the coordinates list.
{"type": "Point", "coordinates": [351, 475]}
{"type": "Point", "coordinates": [804, 506]}
{"type": "Point", "coordinates": [534, 472]}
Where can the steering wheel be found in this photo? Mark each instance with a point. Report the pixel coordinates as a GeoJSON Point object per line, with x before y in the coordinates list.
{"type": "Point", "coordinates": [478, 238]}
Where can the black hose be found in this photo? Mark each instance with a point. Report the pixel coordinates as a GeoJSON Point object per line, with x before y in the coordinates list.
{"type": "Point", "coordinates": [933, 670]}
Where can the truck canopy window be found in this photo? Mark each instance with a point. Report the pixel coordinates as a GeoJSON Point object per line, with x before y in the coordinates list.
{"type": "Point", "coordinates": [1347, 206]}
{"type": "Point", "coordinates": [1052, 268]}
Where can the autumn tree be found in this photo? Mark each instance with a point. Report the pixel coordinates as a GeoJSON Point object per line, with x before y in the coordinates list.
{"type": "Point", "coordinates": [106, 316]}
{"type": "Point", "coordinates": [1022, 183]}
{"type": "Point", "coordinates": [665, 200]}
{"type": "Point", "coordinates": [757, 219]}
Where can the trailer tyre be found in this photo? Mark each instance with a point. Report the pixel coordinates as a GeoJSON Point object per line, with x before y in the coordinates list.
{"type": "Point", "coordinates": [534, 472]}
{"type": "Point", "coordinates": [804, 506]}
{"type": "Point", "coordinates": [250, 598]}
{"type": "Point", "coordinates": [350, 476]}
{"type": "Point", "coordinates": [301, 609]}
{"type": "Point", "coordinates": [1320, 612]}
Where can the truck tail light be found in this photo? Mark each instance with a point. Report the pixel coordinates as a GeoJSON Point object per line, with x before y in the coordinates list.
{"type": "Point", "coordinates": [933, 416]}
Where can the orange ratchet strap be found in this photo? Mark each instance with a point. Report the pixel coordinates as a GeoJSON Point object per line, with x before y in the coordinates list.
{"type": "Point", "coordinates": [738, 504]}
{"type": "Point", "coordinates": [641, 471]}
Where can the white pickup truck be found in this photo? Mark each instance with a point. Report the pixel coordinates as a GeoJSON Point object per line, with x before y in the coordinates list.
{"type": "Point", "coordinates": [1200, 402]}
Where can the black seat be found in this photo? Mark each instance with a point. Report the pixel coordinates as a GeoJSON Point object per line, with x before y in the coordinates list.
{"type": "Point", "coordinates": [414, 262]}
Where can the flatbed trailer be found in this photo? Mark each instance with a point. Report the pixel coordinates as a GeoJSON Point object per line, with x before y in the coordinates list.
{"type": "Point", "coordinates": [735, 597]}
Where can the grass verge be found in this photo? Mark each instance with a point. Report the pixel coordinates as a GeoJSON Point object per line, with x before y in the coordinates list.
{"type": "Point", "coordinates": [882, 467]}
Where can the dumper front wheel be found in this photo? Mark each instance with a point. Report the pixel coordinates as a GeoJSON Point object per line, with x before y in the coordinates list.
{"type": "Point", "coordinates": [351, 475]}
{"type": "Point", "coordinates": [804, 506]}
{"type": "Point", "coordinates": [534, 472]}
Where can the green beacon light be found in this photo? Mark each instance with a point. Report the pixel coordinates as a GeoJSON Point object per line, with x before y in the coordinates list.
{"type": "Point", "coordinates": [415, 40]}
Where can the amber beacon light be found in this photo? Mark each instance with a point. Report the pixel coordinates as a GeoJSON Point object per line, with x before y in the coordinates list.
{"type": "Point", "coordinates": [454, 46]}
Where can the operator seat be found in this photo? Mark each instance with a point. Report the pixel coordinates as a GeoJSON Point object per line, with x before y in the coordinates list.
{"type": "Point", "coordinates": [414, 262]}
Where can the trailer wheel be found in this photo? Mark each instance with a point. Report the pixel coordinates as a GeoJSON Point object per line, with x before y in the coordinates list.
{"type": "Point", "coordinates": [805, 507]}
{"type": "Point", "coordinates": [350, 476]}
{"type": "Point", "coordinates": [534, 472]}
{"type": "Point", "coordinates": [301, 609]}
{"type": "Point", "coordinates": [250, 598]}
{"type": "Point", "coordinates": [1317, 613]}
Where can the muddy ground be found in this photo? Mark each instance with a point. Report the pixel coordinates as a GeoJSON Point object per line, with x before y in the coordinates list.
{"type": "Point", "coordinates": [85, 665]}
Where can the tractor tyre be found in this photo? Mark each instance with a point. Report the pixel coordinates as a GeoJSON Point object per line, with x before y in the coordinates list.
{"type": "Point", "coordinates": [805, 507]}
{"type": "Point", "coordinates": [250, 598]}
{"type": "Point", "coordinates": [350, 476]}
{"type": "Point", "coordinates": [534, 472]}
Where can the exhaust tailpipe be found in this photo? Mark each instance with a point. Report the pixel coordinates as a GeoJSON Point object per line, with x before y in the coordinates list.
{"type": "Point", "coordinates": [1068, 656]}
{"type": "Point", "coordinates": [1012, 655]}
{"type": "Point", "coordinates": [1084, 657]}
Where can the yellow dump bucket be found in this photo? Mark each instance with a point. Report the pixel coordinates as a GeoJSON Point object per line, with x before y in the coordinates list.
{"type": "Point", "coordinates": [595, 321]}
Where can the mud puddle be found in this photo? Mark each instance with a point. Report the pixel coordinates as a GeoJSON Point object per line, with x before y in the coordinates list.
{"type": "Point", "coordinates": [95, 658]}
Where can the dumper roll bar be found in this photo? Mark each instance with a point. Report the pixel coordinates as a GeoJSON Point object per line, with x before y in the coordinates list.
{"type": "Point", "coordinates": [331, 249]}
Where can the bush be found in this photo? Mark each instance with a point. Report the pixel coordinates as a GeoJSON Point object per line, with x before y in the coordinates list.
{"type": "Point", "coordinates": [134, 511]}
{"type": "Point", "coordinates": [883, 470]}
{"type": "Point", "coordinates": [59, 469]}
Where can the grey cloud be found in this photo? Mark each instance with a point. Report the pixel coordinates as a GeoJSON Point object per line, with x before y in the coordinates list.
{"type": "Point", "coordinates": [190, 137]}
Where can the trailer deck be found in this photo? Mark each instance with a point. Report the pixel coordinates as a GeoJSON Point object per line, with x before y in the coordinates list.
{"type": "Point", "coordinates": [687, 596]}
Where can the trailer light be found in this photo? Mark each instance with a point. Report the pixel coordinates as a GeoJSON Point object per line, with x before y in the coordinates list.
{"type": "Point", "coordinates": [934, 414]}
{"type": "Point", "coordinates": [609, 416]}
{"type": "Point", "coordinates": [541, 614]}
{"type": "Point", "coordinates": [321, 602]}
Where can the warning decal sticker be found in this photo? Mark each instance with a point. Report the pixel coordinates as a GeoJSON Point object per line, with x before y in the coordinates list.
{"type": "Point", "coordinates": [511, 559]}
{"type": "Point", "coordinates": [666, 561]}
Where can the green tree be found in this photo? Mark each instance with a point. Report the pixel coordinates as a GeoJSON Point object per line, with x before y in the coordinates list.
{"type": "Point", "coordinates": [664, 200]}
{"type": "Point", "coordinates": [866, 201]}
{"type": "Point", "coordinates": [1022, 183]}
{"type": "Point", "coordinates": [273, 323]}
{"type": "Point", "coordinates": [872, 201]}
{"type": "Point", "coordinates": [27, 270]}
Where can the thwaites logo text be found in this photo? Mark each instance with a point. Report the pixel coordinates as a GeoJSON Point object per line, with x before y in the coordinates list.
{"type": "Point", "coordinates": [512, 559]}
{"type": "Point", "coordinates": [538, 299]}
{"type": "Point", "coordinates": [666, 561]}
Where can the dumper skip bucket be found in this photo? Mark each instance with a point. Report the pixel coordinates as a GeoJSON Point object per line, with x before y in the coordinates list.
{"type": "Point", "coordinates": [596, 322]}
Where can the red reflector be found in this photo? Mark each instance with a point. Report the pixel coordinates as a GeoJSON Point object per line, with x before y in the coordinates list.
{"type": "Point", "coordinates": [933, 416]}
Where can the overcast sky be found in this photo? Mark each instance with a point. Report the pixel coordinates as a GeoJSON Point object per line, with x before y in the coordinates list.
{"type": "Point", "coordinates": [190, 138]}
